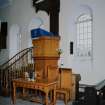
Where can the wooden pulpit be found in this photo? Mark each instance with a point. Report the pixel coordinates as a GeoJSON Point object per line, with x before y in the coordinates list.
{"type": "Point", "coordinates": [45, 54]}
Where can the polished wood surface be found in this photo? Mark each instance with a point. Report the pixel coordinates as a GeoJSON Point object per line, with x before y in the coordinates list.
{"type": "Point", "coordinates": [52, 73]}
{"type": "Point", "coordinates": [66, 78]}
{"type": "Point", "coordinates": [43, 85]}
{"type": "Point", "coordinates": [65, 84]}
{"type": "Point", "coordinates": [73, 94]}
{"type": "Point", "coordinates": [45, 54]}
{"type": "Point", "coordinates": [42, 63]}
{"type": "Point", "coordinates": [46, 46]}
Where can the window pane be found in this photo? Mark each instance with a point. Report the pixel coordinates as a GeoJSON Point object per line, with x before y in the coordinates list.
{"type": "Point", "coordinates": [85, 30]}
{"type": "Point", "coordinates": [89, 29]}
{"type": "Point", "coordinates": [81, 36]}
{"type": "Point", "coordinates": [89, 35]}
{"type": "Point", "coordinates": [89, 23]}
{"type": "Point", "coordinates": [85, 24]}
{"type": "Point", "coordinates": [84, 35]}
{"type": "Point", "coordinates": [81, 30]}
{"type": "Point", "coordinates": [81, 25]}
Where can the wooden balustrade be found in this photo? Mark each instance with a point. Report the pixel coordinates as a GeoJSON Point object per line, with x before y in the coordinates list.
{"type": "Point", "coordinates": [14, 68]}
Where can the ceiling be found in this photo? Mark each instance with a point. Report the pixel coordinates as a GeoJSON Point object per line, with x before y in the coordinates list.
{"type": "Point", "coordinates": [5, 3]}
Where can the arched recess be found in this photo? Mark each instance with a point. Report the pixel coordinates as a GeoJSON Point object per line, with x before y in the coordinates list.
{"type": "Point", "coordinates": [14, 40]}
{"type": "Point", "coordinates": [83, 64]}
{"type": "Point", "coordinates": [36, 22]}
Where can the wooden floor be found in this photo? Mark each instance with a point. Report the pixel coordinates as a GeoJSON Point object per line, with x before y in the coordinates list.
{"type": "Point", "coordinates": [7, 101]}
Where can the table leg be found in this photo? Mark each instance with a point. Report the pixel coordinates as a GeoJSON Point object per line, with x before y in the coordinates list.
{"type": "Point", "coordinates": [54, 97]}
{"type": "Point", "coordinates": [51, 95]}
{"type": "Point", "coordinates": [14, 95]}
{"type": "Point", "coordinates": [46, 98]}
{"type": "Point", "coordinates": [23, 92]}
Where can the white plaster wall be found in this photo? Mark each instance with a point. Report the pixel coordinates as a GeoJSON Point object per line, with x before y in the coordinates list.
{"type": "Point", "coordinates": [22, 12]}
{"type": "Point", "coordinates": [94, 70]}
{"type": "Point", "coordinates": [14, 40]}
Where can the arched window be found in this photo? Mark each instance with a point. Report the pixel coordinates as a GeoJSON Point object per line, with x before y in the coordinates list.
{"type": "Point", "coordinates": [84, 35]}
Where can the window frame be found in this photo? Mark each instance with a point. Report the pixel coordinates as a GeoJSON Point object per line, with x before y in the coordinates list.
{"type": "Point", "coordinates": [86, 53]}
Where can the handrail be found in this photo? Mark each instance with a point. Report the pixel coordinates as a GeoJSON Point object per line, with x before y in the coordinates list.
{"type": "Point", "coordinates": [16, 56]}
{"type": "Point", "coordinates": [16, 60]}
{"type": "Point", "coordinates": [15, 67]}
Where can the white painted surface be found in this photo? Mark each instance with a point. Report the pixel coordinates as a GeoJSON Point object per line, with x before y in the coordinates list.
{"type": "Point", "coordinates": [14, 42]}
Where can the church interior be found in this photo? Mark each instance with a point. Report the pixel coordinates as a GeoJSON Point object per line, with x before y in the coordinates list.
{"type": "Point", "coordinates": [51, 52]}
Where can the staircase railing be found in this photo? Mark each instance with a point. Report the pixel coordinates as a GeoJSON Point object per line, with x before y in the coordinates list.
{"type": "Point", "coordinates": [4, 56]}
{"type": "Point", "coordinates": [15, 67]}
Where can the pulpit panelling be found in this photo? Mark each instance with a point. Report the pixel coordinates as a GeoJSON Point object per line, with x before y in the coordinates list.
{"type": "Point", "coordinates": [45, 54]}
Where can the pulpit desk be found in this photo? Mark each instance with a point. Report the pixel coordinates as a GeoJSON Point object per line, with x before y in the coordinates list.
{"type": "Point", "coordinates": [42, 85]}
